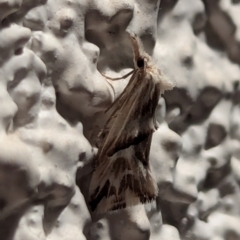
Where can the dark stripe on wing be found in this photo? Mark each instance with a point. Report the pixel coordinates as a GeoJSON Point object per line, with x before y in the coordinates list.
{"type": "Point", "coordinates": [98, 196]}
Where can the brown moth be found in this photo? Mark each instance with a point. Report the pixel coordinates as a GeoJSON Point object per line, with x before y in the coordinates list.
{"type": "Point", "coordinates": [122, 175]}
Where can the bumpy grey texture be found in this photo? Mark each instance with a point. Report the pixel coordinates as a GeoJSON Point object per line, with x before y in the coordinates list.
{"type": "Point", "coordinates": [52, 99]}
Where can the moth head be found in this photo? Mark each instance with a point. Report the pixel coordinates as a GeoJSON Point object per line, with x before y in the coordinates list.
{"type": "Point", "coordinates": [140, 62]}
{"type": "Point", "coordinates": [140, 56]}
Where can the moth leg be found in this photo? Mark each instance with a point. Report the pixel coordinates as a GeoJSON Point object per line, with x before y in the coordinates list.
{"type": "Point", "coordinates": [119, 78]}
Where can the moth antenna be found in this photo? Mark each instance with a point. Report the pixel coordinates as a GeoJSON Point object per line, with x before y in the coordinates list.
{"type": "Point", "coordinates": [118, 78]}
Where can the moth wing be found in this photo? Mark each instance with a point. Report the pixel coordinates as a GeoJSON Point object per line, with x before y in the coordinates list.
{"type": "Point", "coordinates": [123, 180]}
{"type": "Point", "coordinates": [132, 116]}
{"type": "Point", "coordinates": [122, 176]}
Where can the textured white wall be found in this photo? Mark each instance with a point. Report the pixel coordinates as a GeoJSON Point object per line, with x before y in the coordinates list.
{"type": "Point", "coordinates": [52, 98]}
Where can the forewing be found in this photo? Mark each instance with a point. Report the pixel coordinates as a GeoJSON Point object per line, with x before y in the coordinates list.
{"type": "Point", "coordinates": [123, 180]}
{"type": "Point", "coordinates": [132, 115]}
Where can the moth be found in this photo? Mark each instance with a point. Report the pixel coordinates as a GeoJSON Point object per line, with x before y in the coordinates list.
{"type": "Point", "coordinates": [122, 176]}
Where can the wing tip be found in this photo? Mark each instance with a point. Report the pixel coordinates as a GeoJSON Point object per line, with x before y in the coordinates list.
{"type": "Point", "coordinates": [112, 203]}
{"type": "Point", "coordinates": [117, 207]}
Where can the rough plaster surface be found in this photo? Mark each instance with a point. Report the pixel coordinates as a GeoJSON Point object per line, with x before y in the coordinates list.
{"type": "Point", "coordinates": [52, 98]}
